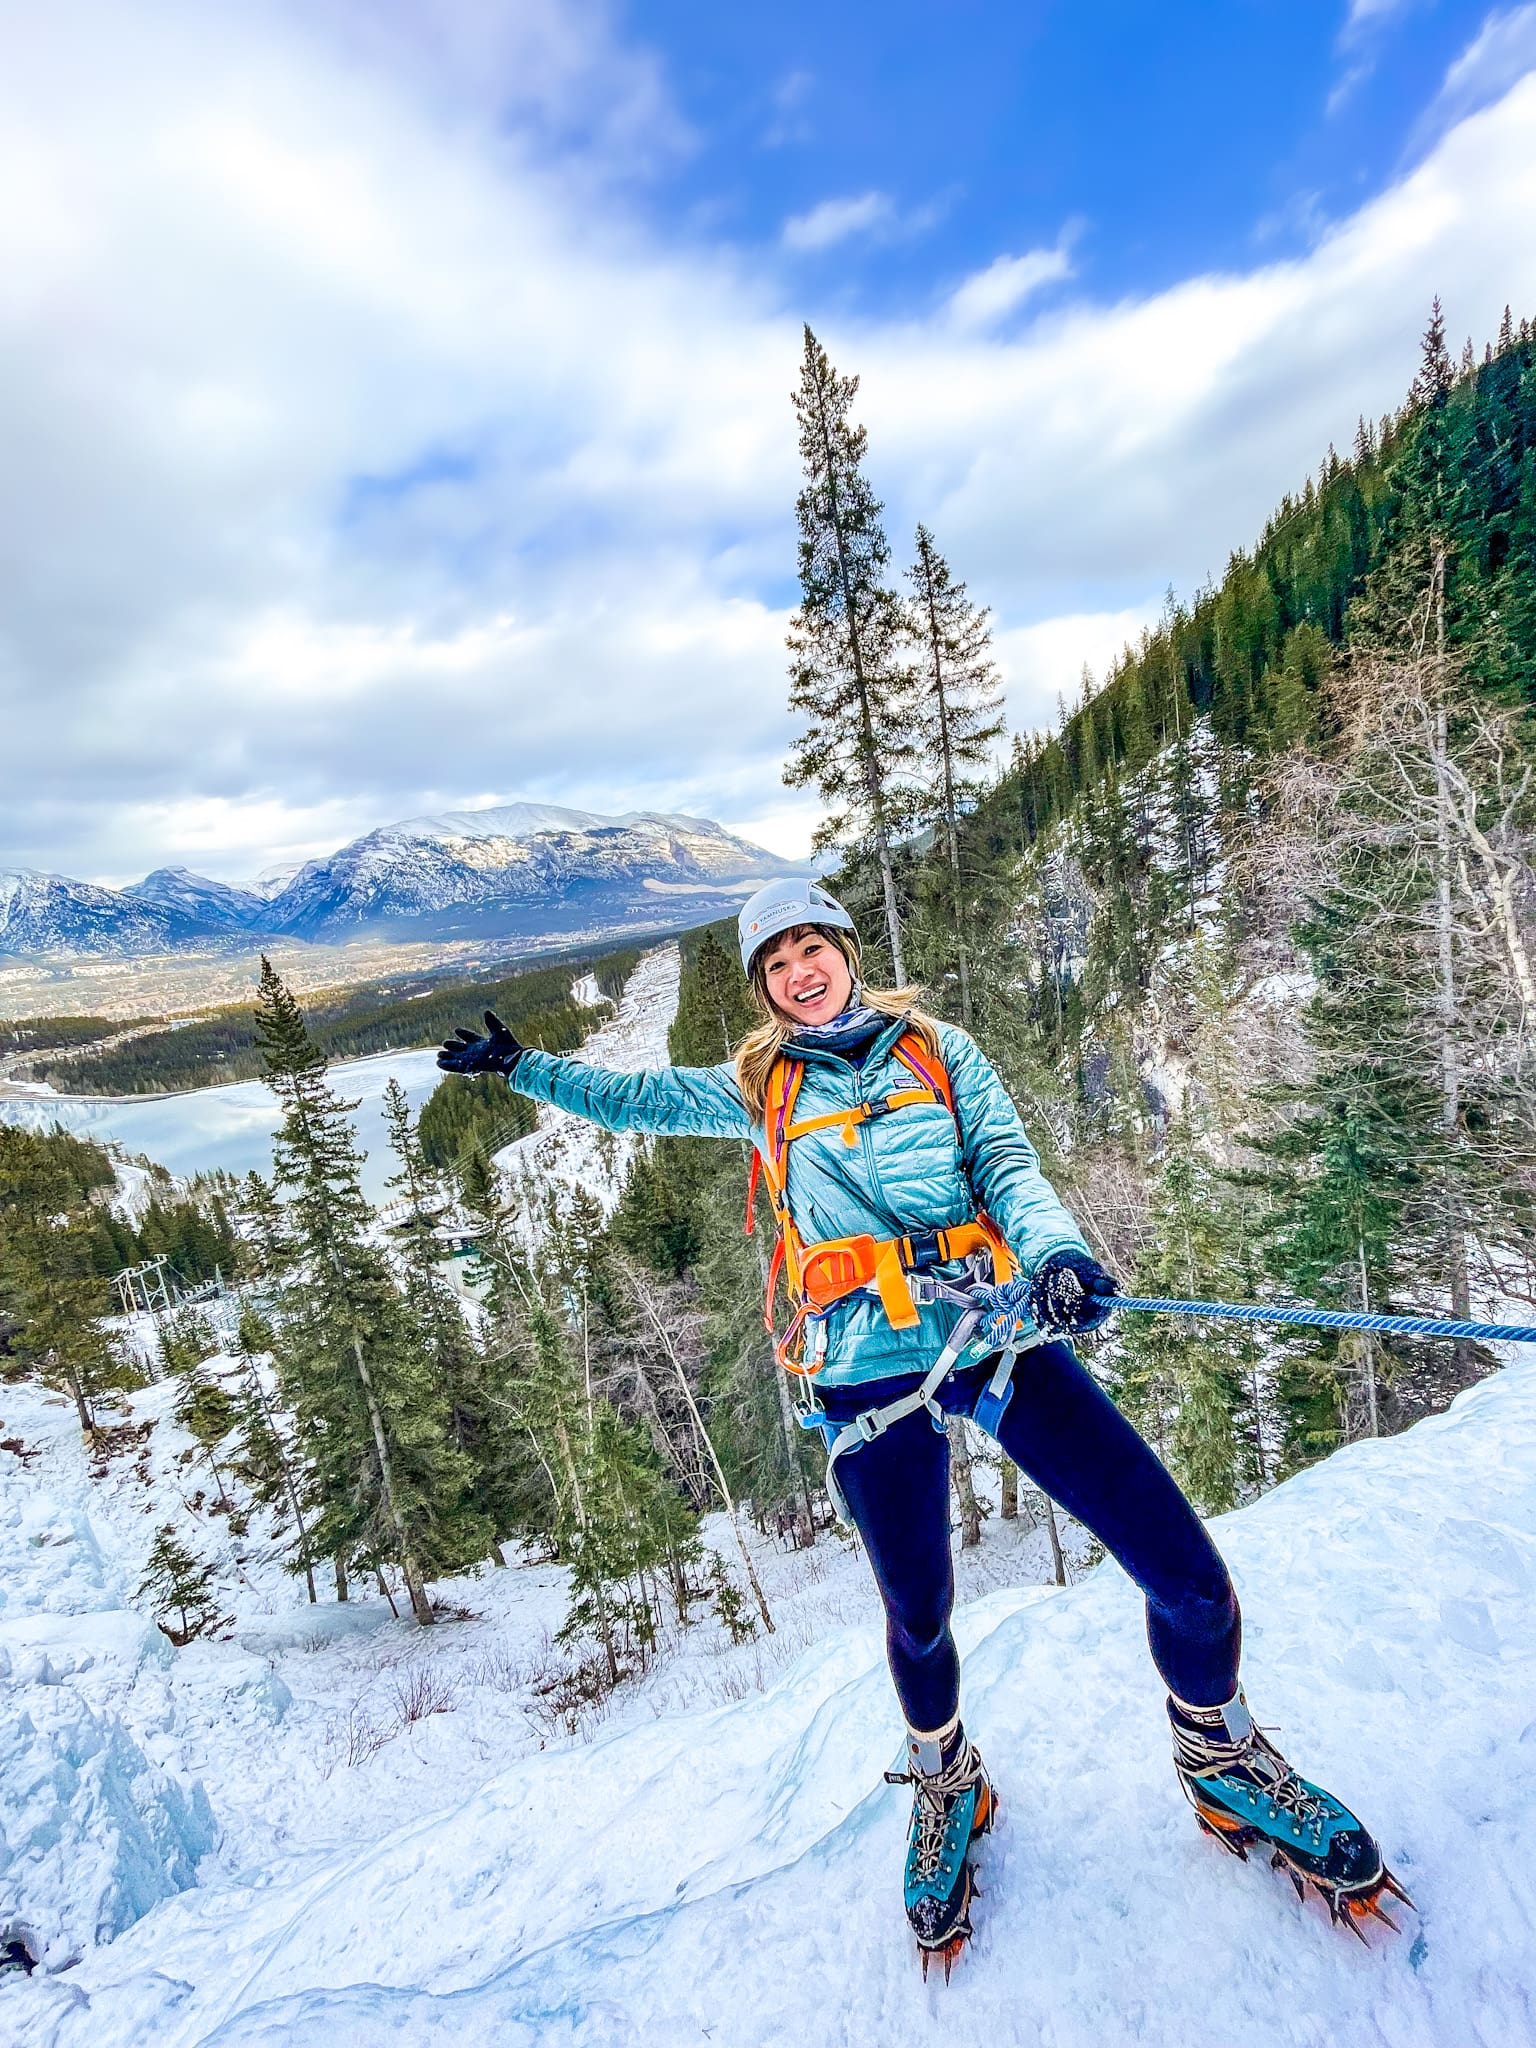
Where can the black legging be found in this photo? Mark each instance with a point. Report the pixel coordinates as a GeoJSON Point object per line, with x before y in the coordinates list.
{"type": "Point", "coordinates": [1062, 1429]}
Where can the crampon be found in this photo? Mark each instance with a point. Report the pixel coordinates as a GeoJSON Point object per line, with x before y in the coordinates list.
{"type": "Point", "coordinates": [1245, 1794]}
{"type": "Point", "coordinates": [1348, 1905]}
{"type": "Point", "coordinates": [953, 1805]}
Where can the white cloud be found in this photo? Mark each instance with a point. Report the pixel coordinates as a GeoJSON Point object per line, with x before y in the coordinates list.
{"type": "Point", "coordinates": [363, 455]}
{"type": "Point", "coordinates": [1365, 13]}
{"type": "Point", "coordinates": [1502, 53]}
{"type": "Point", "coordinates": [1045, 662]}
{"type": "Point", "coordinates": [989, 295]}
{"type": "Point", "coordinates": [834, 220]}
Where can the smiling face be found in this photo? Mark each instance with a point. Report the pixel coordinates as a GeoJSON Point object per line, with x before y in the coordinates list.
{"type": "Point", "coordinates": [807, 979]}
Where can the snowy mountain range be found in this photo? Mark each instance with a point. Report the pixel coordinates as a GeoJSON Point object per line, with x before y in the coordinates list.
{"type": "Point", "coordinates": [517, 870]}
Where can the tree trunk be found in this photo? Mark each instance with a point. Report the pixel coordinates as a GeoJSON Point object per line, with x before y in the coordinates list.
{"type": "Point", "coordinates": [341, 1576]}
{"type": "Point", "coordinates": [965, 1488]}
{"type": "Point", "coordinates": [497, 1555]}
{"type": "Point", "coordinates": [708, 1442]}
{"type": "Point", "coordinates": [1009, 1506]}
{"type": "Point", "coordinates": [951, 830]}
{"type": "Point", "coordinates": [421, 1606]}
{"type": "Point", "coordinates": [218, 1478]}
{"type": "Point", "coordinates": [289, 1485]}
{"type": "Point", "coordinates": [1450, 1079]}
{"type": "Point", "coordinates": [383, 1585]}
{"type": "Point", "coordinates": [1058, 1561]}
{"type": "Point", "coordinates": [1368, 1341]}
{"type": "Point", "coordinates": [82, 1406]}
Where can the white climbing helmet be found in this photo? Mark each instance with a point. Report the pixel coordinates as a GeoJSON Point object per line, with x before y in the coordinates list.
{"type": "Point", "coordinates": [779, 907]}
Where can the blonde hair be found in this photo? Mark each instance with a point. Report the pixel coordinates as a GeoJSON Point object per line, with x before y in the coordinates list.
{"type": "Point", "coordinates": [759, 1051]}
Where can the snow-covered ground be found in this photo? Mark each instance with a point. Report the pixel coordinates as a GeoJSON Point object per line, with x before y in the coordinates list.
{"type": "Point", "coordinates": [717, 1862]}
{"type": "Point", "coordinates": [329, 1826]}
{"type": "Point", "coordinates": [570, 1152]}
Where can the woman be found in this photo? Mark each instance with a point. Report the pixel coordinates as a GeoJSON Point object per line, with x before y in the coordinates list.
{"type": "Point", "coordinates": [909, 1198]}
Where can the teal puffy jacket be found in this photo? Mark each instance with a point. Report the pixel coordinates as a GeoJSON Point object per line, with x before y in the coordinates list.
{"type": "Point", "coordinates": [907, 1172]}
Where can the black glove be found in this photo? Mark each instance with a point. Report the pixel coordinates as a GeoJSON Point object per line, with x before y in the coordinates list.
{"type": "Point", "coordinates": [1071, 1292]}
{"type": "Point", "coordinates": [466, 1053]}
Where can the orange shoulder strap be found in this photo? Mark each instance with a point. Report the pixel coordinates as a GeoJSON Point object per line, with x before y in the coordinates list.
{"type": "Point", "coordinates": [927, 1066]}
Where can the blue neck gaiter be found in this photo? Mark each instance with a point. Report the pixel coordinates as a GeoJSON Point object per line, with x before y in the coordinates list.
{"type": "Point", "coordinates": [851, 1033]}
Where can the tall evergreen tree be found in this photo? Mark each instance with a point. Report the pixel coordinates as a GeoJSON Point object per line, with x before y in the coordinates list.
{"type": "Point", "coordinates": [268, 1464]}
{"type": "Point", "coordinates": [849, 669]}
{"type": "Point", "coordinates": [960, 705]}
{"type": "Point", "coordinates": [51, 1293]}
{"type": "Point", "coordinates": [478, 1421]}
{"type": "Point", "coordinates": [386, 1482]}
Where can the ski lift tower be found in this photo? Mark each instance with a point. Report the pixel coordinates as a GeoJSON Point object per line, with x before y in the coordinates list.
{"type": "Point", "coordinates": [149, 1288]}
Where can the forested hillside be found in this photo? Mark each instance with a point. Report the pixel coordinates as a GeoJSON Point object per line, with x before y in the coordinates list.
{"type": "Point", "coordinates": [1248, 937]}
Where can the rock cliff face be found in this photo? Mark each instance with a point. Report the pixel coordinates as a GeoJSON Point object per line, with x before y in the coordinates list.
{"type": "Point", "coordinates": [524, 870]}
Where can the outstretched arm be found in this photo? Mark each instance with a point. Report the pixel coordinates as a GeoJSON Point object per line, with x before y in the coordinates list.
{"type": "Point", "coordinates": [675, 1102]}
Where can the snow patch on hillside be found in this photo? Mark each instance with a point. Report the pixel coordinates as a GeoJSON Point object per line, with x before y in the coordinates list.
{"type": "Point", "coordinates": [567, 1151]}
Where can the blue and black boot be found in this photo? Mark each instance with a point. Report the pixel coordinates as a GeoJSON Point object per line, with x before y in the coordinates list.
{"type": "Point", "coordinates": [1244, 1792]}
{"type": "Point", "coordinates": [953, 1802]}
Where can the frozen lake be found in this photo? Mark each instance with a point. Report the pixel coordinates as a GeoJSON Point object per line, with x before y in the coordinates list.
{"type": "Point", "coordinates": [231, 1127]}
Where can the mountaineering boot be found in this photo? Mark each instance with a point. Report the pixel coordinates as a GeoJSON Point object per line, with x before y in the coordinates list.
{"type": "Point", "coordinates": [1243, 1791]}
{"type": "Point", "coordinates": [952, 1803]}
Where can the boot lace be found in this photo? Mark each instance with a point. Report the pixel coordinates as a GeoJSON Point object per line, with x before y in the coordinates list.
{"type": "Point", "coordinates": [1204, 1752]}
{"type": "Point", "coordinates": [934, 1795]}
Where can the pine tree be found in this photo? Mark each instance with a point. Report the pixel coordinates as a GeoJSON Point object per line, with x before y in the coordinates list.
{"type": "Point", "coordinates": [268, 1465]}
{"type": "Point", "coordinates": [849, 674]}
{"type": "Point", "coordinates": [50, 1291]}
{"type": "Point", "coordinates": [387, 1483]}
{"type": "Point", "coordinates": [476, 1420]}
{"type": "Point", "coordinates": [207, 1413]}
{"type": "Point", "coordinates": [959, 705]}
{"type": "Point", "coordinates": [1191, 1387]}
{"type": "Point", "coordinates": [177, 1581]}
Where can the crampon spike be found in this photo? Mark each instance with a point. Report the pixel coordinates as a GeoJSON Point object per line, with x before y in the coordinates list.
{"type": "Point", "coordinates": [1392, 1885]}
{"type": "Point", "coordinates": [946, 1953]}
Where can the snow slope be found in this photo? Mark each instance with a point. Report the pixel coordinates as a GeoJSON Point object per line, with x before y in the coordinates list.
{"type": "Point", "coordinates": [732, 1875]}
{"type": "Point", "coordinates": [566, 1150]}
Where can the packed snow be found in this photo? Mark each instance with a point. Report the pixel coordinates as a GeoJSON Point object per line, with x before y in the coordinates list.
{"type": "Point", "coordinates": [721, 1862]}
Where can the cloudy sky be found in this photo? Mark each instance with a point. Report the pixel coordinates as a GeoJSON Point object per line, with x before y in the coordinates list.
{"type": "Point", "coordinates": [394, 394]}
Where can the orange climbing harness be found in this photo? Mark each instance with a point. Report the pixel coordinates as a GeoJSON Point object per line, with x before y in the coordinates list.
{"type": "Point", "coordinates": [819, 1275]}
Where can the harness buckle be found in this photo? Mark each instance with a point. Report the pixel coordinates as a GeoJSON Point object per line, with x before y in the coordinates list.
{"type": "Point", "coordinates": [870, 1424]}
{"type": "Point", "coordinates": [922, 1248]}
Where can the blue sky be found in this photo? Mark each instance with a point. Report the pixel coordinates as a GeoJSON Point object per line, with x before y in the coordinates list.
{"type": "Point", "coordinates": [1180, 138]}
{"type": "Point", "coordinates": [396, 393]}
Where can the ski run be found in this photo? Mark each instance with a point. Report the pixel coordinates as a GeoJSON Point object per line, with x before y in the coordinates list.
{"type": "Point", "coordinates": [332, 1828]}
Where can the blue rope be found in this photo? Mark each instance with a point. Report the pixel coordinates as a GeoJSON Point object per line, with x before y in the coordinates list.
{"type": "Point", "coordinates": [1333, 1319]}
